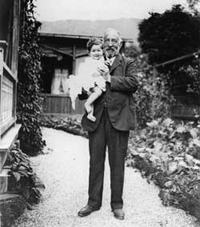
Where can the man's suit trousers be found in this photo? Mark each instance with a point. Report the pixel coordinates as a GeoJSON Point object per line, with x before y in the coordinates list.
{"type": "Point", "coordinates": [106, 136]}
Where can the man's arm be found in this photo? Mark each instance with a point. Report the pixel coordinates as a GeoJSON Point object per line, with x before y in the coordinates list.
{"type": "Point", "coordinates": [128, 82]}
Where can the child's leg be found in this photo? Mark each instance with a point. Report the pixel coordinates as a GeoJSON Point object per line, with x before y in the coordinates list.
{"type": "Point", "coordinates": [89, 103]}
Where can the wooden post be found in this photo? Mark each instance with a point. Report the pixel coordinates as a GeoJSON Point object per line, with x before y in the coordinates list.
{"type": "Point", "coordinates": [1, 75]}
{"type": "Point", "coordinates": [74, 60]}
{"type": "Point", "coordinates": [15, 45]}
{"type": "Point", "coordinates": [15, 39]}
{"type": "Point", "coordinates": [1, 61]}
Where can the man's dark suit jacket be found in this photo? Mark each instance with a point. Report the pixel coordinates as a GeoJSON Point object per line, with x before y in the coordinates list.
{"type": "Point", "coordinates": [118, 97]}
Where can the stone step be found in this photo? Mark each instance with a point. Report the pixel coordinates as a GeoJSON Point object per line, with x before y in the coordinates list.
{"type": "Point", "coordinates": [3, 156]}
{"type": "Point", "coordinates": [4, 174]}
{"type": "Point", "coordinates": [7, 196]}
{"type": "Point", "coordinates": [6, 143]}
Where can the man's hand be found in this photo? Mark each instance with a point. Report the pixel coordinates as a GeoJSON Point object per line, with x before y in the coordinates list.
{"type": "Point", "coordinates": [104, 71]}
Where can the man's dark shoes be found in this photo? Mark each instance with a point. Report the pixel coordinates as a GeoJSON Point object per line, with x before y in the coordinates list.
{"type": "Point", "coordinates": [119, 214]}
{"type": "Point", "coordinates": [87, 210]}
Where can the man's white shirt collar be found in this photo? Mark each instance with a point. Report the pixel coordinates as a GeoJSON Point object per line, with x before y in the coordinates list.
{"type": "Point", "coordinates": [112, 60]}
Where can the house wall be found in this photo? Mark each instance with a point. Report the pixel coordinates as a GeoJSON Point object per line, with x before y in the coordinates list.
{"type": "Point", "coordinates": [57, 100]}
{"type": "Point", "coordinates": [61, 58]}
{"type": "Point", "coordinates": [9, 42]}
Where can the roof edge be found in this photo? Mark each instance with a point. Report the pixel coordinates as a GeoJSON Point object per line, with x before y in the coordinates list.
{"type": "Point", "coordinates": [76, 36]}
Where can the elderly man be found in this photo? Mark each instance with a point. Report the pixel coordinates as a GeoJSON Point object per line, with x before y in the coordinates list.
{"type": "Point", "coordinates": [114, 112]}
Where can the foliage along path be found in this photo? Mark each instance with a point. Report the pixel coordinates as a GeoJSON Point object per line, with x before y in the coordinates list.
{"type": "Point", "coordinates": [64, 171]}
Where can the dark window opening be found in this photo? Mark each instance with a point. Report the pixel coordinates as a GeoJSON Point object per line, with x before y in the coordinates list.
{"type": "Point", "coordinates": [55, 73]}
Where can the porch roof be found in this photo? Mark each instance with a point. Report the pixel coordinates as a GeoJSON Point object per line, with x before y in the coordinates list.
{"type": "Point", "coordinates": [86, 37]}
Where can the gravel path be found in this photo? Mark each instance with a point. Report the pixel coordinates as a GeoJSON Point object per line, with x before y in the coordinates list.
{"type": "Point", "coordinates": [64, 171]}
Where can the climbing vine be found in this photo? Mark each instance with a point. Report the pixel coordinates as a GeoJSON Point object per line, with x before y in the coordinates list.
{"type": "Point", "coordinates": [29, 106]}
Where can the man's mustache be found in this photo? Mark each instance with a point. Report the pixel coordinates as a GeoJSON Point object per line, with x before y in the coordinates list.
{"type": "Point", "coordinates": [109, 48]}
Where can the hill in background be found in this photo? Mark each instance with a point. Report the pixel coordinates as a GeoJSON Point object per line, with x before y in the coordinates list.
{"type": "Point", "coordinates": [127, 27]}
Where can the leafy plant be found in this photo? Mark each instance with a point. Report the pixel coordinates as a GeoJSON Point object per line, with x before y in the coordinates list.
{"type": "Point", "coordinates": [23, 178]}
{"type": "Point", "coordinates": [29, 102]}
{"type": "Point", "coordinates": [168, 154]}
{"type": "Point", "coordinates": [69, 124]}
{"type": "Point", "coordinates": [152, 98]}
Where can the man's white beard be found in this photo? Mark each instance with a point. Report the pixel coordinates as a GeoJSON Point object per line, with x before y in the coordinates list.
{"type": "Point", "coordinates": [111, 53]}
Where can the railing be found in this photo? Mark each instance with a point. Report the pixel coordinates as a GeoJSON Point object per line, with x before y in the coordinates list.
{"type": "Point", "coordinates": [7, 96]}
{"type": "Point", "coordinates": [61, 104]}
{"type": "Point", "coordinates": [185, 112]}
{"type": "Point", "coordinates": [186, 107]}
{"type": "Point", "coordinates": [8, 134]}
{"type": "Point", "coordinates": [8, 91]}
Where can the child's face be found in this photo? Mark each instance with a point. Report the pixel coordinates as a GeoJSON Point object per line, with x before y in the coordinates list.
{"type": "Point", "coordinates": [96, 52]}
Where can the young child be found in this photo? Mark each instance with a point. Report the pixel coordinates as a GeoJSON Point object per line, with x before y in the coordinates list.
{"type": "Point", "coordinates": [90, 79]}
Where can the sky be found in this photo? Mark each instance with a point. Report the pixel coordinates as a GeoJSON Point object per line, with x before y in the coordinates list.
{"type": "Point", "coordinates": [53, 10]}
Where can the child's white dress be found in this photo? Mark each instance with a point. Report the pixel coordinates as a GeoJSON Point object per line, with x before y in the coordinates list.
{"type": "Point", "coordinates": [86, 79]}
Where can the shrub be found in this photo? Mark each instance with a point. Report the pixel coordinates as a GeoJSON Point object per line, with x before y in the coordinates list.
{"type": "Point", "coordinates": [152, 98]}
{"type": "Point", "coordinates": [23, 178]}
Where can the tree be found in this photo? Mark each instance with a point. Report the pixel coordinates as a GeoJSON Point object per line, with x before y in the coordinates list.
{"type": "Point", "coordinates": [193, 5]}
{"type": "Point", "coordinates": [170, 35]}
{"type": "Point", "coordinates": [29, 102]}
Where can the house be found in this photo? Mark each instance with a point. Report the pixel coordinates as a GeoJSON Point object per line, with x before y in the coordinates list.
{"type": "Point", "coordinates": [9, 42]}
{"type": "Point", "coordinates": [62, 55]}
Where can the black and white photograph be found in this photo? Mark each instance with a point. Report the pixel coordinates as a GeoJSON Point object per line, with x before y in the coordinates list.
{"type": "Point", "coordinates": [100, 113]}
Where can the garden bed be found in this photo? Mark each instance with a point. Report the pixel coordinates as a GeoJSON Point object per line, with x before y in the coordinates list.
{"type": "Point", "coordinates": [23, 187]}
{"type": "Point", "coordinates": [168, 154]}
{"type": "Point", "coordinates": [68, 124]}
